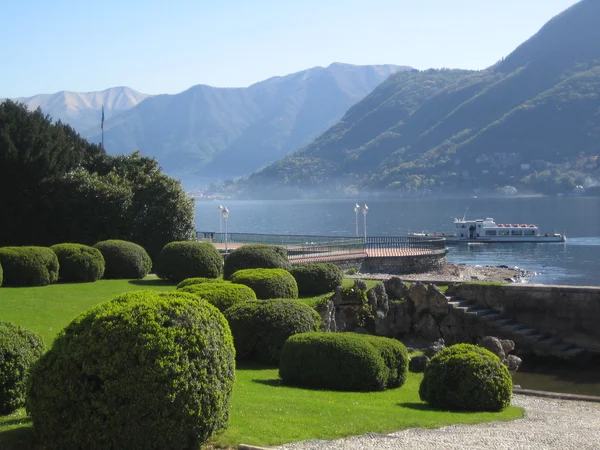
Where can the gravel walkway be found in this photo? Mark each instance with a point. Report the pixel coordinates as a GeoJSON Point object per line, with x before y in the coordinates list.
{"type": "Point", "coordinates": [548, 424]}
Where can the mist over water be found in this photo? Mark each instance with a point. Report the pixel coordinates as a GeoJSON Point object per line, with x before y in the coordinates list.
{"type": "Point", "coordinates": [575, 263]}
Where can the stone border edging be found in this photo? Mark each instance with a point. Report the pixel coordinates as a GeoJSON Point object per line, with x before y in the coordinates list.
{"type": "Point", "coordinates": [557, 395]}
{"type": "Point", "coordinates": [251, 447]}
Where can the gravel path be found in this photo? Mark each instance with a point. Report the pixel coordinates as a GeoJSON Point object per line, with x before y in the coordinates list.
{"type": "Point", "coordinates": [548, 424]}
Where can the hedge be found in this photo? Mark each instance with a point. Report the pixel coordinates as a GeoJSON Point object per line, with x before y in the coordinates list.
{"type": "Point", "coordinates": [466, 377]}
{"type": "Point", "coordinates": [79, 262]}
{"type": "Point", "coordinates": [29, 266]}
{"type": "Point", "coordinates": [186, 259]}
{"type": "Point", "coordinates": [343, 361]}
{"type": "Point", "coordinates": [19, 349]}
{"type": "Point", "coordinates": [317, 278]}
{"type": "Point", "coordinates": [146, 370]}
{"type": "Point", "coordinates": [199, 280]}
{"type": "Point", "coordinates": [261, 327]}
{"type": "Point", "coordinates": [268, 283]}
{"type": "Point", "coordinates": [124, 259]}
{"type": "Point", "coordinates": [221, 295]}
{"type": "Point", "coordinates": [255, 256]}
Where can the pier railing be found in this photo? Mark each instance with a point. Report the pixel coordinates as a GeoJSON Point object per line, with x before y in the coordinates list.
{"type": "Point", "coordinates": [326, 248]}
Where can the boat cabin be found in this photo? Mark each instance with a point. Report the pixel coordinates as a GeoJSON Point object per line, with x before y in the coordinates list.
{"type": "Point", "coordinates": [473, 229]}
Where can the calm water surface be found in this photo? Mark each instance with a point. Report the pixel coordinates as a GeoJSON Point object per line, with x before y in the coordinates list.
{"type": "Point", "coordinates": [575, 263]}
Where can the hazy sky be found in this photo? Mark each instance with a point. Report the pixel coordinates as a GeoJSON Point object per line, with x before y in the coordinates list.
{"type": "Point", "coordinates": [158, 46]}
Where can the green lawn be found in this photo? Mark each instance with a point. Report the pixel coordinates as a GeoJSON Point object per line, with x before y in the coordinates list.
{"type": "Point", "coordinates": [262, 411]}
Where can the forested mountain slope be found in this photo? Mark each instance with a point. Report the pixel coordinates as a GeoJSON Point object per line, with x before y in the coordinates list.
{"type": "Point", "coordinates": [532, 121]}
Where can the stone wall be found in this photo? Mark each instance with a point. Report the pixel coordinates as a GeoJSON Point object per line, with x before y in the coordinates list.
{"type": "Point", "coordinates": [403, 264]}
{"type": "Point", "coordinates": [572, 313]}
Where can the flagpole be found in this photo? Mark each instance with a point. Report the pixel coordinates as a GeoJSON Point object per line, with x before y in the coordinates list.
{"type": "Point", "coordinates": [102, 126]}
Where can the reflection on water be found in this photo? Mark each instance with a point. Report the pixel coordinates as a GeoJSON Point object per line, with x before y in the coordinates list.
{"type": "Point", "coordinates": [556, 376]}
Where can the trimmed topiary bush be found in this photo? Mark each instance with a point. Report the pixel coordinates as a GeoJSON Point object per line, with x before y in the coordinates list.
{"type": "Point", "coordinates": [255, 256]}
{"type": "Point", "coordinates": [186, 259]}
{"type": "Point", "coordinates": [268, 283]}
{"type": "Point", "coordinates": [199, 280]}
{"type": "Point", "coordinates": [317, 278]}
{"type": "Point", "coordinates": [79, 262]}
{"type": "Point", "coordinates": [466, 377]}
{"type": "Point", "coordinates": [124, 259]}
{"type": "Point", "coordinates": [261, 327]}
{"type": "Point", "coordinates": [19, 349]}
{"type": "Point", "coordinates": [343, 361]}
{"type": "Point", "coordinates": [29, 266]}
{"type": "Point", "coordinates": [222, 295]}
{"type": "Point", "coordinates": [146, 370]}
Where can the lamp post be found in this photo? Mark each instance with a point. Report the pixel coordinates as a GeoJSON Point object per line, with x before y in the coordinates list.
{"type": "Point", "coordinates": [356, 209]}
{"type": "Point", "coordinates": [220, 208]}
{"type": "Point", "coordinates": [365, 211]}
{"type": "Point", "coordinates": [225, 214]}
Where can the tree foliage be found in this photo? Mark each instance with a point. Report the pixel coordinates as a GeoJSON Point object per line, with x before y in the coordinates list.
{"type": "Point", "coordinates": [64, 189]}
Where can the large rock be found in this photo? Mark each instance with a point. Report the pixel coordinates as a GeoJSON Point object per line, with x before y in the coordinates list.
{"type": "Point", "coordinates": [494, 345]}
{"type": "Point", "coordinates": [428, 299]}
{"type": "Point", "coordinates": [512, 362]}
{"type": "Point", "coordinates": [427, 328]}
{"type": "Point", "coordinates": [396, 289]}
{"type": "Point", "coordinates": [380, 306]}
{"type": "Point", "coordinates": [435, 348]}
{"type": "Point", "coordinates": [327, 313]}
{"type": "Point", "coordinates": [417, 364]}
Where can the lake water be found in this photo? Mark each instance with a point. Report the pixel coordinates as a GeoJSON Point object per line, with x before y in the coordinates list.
{"type": "Point", "coordinates": [575, 263]}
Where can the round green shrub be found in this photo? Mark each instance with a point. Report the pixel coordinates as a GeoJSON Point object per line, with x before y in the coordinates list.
{"type": "Point", "coordinates": [146, 370]}
{"type": "Point", "coordinates": [19, 349]}
{"type": "Point", "coordinates": [222, 295]}
{"type": "Point", "coordinates": [186, 259]}
{"type": "Point", "coordinates": [124, 259]}
{"type": "Point", "coordinates": [255, 256]}
{"type": "Point", "coordinates": [268, 283]}
{"type": "Point", "coordinates": [199, 280]}
{"type": "Point", "coordinates": [466, 377]}
{"type": "Point", "coordinates": [343, 361]}
{"type": "Point", "coordinates": [261, 327]}
{"type": "Point", "coordinates": [29, 266]}
{"type": "Point", "coordinates": [317, 278]}
{"type": "Point", "coordinates": [79, 262]}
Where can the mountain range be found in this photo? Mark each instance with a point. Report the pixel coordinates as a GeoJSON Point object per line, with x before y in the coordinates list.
{"type": "Point", "coordinates": [530, 121]}
{"type": "Point", "coordinates": [83, 110]}
{"type": "Point", "coordinates": [209, 134]}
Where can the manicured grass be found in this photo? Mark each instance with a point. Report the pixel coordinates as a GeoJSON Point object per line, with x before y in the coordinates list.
{"type": "Point", "coordinates": [48, 309]}
{"type": "Point", "coordinates": [262, 411]}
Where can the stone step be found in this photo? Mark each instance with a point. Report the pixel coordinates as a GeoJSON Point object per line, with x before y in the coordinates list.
{"type": "Point", "coordinates": [539, 336]}
{"type": "Point", "coordinates": [502, 321]}
{"type": "Point", "coordinates": [552, 340]}
{"type": "Point", "coordinates": [563, 347]}
{"type": "Point", "coordinates": [514, 327]}
{"type": "Point", "coordinates": [529, 332]}
{"type": "Point", "coordinates": [575, 352]}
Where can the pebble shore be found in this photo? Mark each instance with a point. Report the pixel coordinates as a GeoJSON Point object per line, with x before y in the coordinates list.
{"type": "Point", "coordinates": [458, 273]}
{"type": "Point", "coordinates": [547, 424]}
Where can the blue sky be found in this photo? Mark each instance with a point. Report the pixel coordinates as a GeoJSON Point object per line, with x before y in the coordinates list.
{"type": "Point", "coordinates": [167, 46]}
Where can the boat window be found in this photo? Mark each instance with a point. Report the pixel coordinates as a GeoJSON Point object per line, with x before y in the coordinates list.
{"type": "Point", "coordinates": [516, 233]}
{"type": "Point", "coordinates": [504, 233]}
{"type": "Point", "coordinates": [529, 232]}
{"type": "Point", "coordinates": [490, 232]}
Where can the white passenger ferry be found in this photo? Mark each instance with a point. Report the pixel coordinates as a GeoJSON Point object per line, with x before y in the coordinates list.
{"type": "Point", "coordinates": [487, 230]}
{"type": "Point", "coordinates": [482, 231]}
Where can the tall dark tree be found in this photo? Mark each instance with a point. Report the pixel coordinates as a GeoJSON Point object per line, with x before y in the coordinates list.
{"type": "Point", "coordinates": [56, 187]}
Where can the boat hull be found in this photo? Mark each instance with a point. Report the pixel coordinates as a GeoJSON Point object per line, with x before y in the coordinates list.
{"type": "Point", "coordinates": [507, 239]}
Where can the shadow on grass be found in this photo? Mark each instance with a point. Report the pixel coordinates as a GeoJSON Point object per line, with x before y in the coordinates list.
{"type": "Point", "coordinates": [417, 406]}
{"type": "Point", "coordinates": [154, 282]}
{"type": "Point", "coordinates": [21, 438]}
{"type": "Point", "coordinates": [273, 382]}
